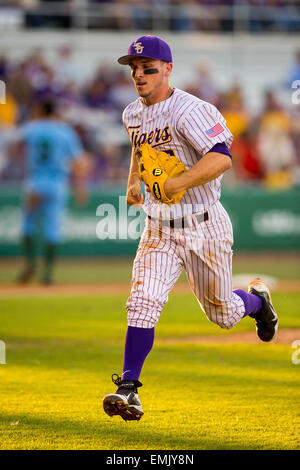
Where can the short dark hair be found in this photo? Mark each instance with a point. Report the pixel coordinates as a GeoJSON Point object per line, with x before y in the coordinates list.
{"type": "Point", "coordinates": [47, 107]}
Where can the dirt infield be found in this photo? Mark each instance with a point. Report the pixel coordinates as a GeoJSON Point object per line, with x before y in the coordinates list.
{"type": "Point", "coordinates": [122, 288]}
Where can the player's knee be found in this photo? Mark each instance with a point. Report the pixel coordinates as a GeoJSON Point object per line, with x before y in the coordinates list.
{"type": "Point", "coordinates": [224, 322]}
{"type": "Point", "coordinates": [142, 313]}
{"type": "Point", "coordinates": [141, 318]}
{"type": "Point", "coordinates": [218, 313]}
{"type": "Point", "coordinates": [222, 319]}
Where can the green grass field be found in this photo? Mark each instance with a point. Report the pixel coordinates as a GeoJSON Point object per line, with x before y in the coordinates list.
{"type": "Point", "coordinates": [61, 352]}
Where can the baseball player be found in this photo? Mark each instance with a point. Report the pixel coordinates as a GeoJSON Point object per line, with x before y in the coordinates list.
{"type": "Point", "coordinates": [52, 150]}
{"type": "Point", "coordinates": [194, 233]}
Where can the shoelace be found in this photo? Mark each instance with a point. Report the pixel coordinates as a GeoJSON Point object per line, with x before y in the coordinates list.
{"type": "Point", "coordinates": [116, 380]}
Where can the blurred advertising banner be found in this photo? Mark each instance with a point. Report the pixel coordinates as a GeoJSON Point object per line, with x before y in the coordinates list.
{"type": "Point", "coordinates": [262, 220]}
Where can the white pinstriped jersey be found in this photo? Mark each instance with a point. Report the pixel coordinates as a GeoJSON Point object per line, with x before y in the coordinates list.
{"type": "Point", "coordinates": [188, 127]}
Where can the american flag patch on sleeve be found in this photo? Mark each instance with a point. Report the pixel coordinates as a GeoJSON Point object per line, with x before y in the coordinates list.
{"type": "Point", "coordinates": [214, 131]}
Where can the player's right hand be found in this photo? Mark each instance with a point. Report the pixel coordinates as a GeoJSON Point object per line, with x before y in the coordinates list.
{"type": "Point", "coordinates": [134, 197]}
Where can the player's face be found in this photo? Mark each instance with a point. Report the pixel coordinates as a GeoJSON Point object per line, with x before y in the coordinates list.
{"type": "Point", "coordinates": [151, 78]}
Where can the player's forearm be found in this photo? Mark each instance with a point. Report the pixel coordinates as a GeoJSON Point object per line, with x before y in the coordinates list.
{"type": "Point", "coordinates": [133, 195]}
{"type": "Point", "coordinates": [133, 177]}
{"type": "Point", "coordinates": [207, 169]}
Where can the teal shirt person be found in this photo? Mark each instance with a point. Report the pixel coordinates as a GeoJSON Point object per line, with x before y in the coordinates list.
{"type": "Point", "coordinates": [51, 149]}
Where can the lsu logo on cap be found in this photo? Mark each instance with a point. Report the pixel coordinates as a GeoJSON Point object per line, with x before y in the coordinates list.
{"type": "Point", "coordinates": [138, 47]}
{"type": "Point", "coordinates": [157, 172]}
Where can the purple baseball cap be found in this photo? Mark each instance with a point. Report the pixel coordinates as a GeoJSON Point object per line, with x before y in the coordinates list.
{"type": "Point", "coordinates": [150, 47]}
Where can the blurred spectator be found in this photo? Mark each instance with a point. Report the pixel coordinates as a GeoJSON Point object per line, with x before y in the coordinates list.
{"type": "Point", "coordinates": [180, 19]}
{"type": "Point", "coordinates": [5, 68]}
{"type": "Point", "coordinates": [203, 84]}
{"type": "Point", "coordinates": [9, 112]}
{"type": "Point", "coordinates": [96, 95]}
{"type": "Point", "coordinates": [66, 68]}
{"type": "Point", "coordinates": [123, 91]}
{"type": "Point", "coordinates": [274, 116]}
{"type": "Point", "coordinates": [234, 111]}
{"type": "Point", "coordinates": [21, 89]}
{"type": "Point", "coordinates": [8, 120]}
{"type": "Point", "coordinates": [294, 72]}
{"type": "Point", "coordinates": [36, 68]}
{"type": "Point", "coordinates": [284, 16]}
{"type": "Point", "coordinates": [295, 131]}
{"type": "Point", "coordinates": [246, 164]}
{"type": "Point", "coordinates": [209, 17]}
{"type": "Point", "coordinates": [275, 145]}
{"type": "Point", "coordinates": [141, 14]}
{"type": "Point", "coordinates": [49, 14]}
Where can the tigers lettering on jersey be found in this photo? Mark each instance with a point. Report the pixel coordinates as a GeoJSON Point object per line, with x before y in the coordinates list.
{"type": "Point", "coordinates": [185, 126]}
{"type": "Point", "coordinates": [154, 138]}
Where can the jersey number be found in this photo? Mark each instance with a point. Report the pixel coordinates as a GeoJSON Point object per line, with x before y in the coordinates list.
{"type": "Point", "coordinates": [44, 150]}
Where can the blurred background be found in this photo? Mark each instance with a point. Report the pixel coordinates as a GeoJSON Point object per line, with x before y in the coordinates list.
{"type": "Point", "coordinates": [241, 55]}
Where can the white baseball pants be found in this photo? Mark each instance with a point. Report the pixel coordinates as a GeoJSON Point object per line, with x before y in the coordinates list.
{"type": "Point", "coordinates": [204, 250]}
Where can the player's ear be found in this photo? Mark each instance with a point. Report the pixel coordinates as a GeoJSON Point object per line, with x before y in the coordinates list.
{"type": "Point", "coordinates": [168, 68]}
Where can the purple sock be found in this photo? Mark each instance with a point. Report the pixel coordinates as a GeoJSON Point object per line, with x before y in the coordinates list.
{"type": "Point", "coordinates": [253, 303]}
{"type": "Point", "coordinates": [138, 344]}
